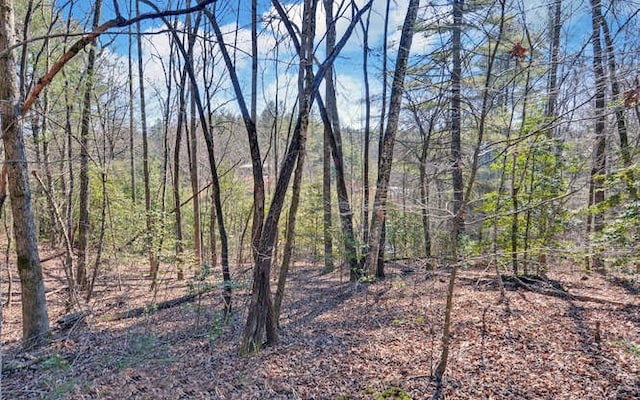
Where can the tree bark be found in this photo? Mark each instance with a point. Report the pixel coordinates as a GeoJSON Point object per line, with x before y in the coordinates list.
{"type": "Point", "coordinates": [132, 162]}
{"type": "Point", "coordinates": [425, 136]}
{"type": "Point", "coordinates": [367, 133]}
{"type": "Point", "coordinates": [153, 261]}
{"type": "Point", "coordinates": [215, 182]}
{"type": "Point", "coordinates": [176, 176]}
{"type": "Point", "coordinates": [383, 109]}
{"type": "Point", "coordinates": [326, 147]}
{"type": "Point", "coordinates": [599, 162]}
{"type": "Point", "coordinates": [384, 166]}
{"type": "Point", "coordinates": [83, 222]}
{"type": "Point", "coordinates": [35, 321]}
{"type": "Point", "coordinates": [193, 160]}
{"type": "Point", "coordinates": [456, 143]}
{"type": "Point", "coordinates": [621, 123]}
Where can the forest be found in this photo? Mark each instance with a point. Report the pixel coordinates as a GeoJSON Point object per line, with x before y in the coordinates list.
{"type": "Point", "coordinates": [335, 199]}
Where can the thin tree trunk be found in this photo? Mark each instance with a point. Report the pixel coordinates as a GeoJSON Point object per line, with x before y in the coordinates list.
{"type": "Point", "coordinates": [514, 215]}
{"type": "Point", "coordinates": [383, 234]}
{"type": "Point", "coordinates": [153, 261]}
{"type": "Point", "coordinates": [290, 232]}
{"type": "Point", "coordinates": [621, 123]}
{"type": "Point", "coordinates": [35, 321]}
{"type": "Point", "coordinates": [466, 196]}
{"type": "Point", "coordinates": [193, 146]}
{"type": "Point", "coordinates": [456, 143]}
{"type": "Point", "coordinates": [54, 229]}
{"type": "Point", "coordinates": [326, 147]}
{"type": "Point", "coordinates": [83, 222]}
{"type": "Point", "coordinates": [425, 135]}
{"type": "Point", "coordinates": [132, 163]}
{"type": "Point", "coordinates": [367, 132]}
{"type": "Point", "coordinates": [599, 163]}
{"type": "Point", "coordinates": [176, 177]}
{"type": "Point", "coordinates": [305, 80]}
{"type": "Point", "coordinates": [100, 244]}
{"type": "Point", "coordinates": [384, 164]}
{"type": "Point", "coordinates": [554, 147]}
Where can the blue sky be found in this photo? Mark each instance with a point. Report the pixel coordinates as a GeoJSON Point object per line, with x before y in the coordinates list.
{"type": "Point", "coordinates": [348, 66]}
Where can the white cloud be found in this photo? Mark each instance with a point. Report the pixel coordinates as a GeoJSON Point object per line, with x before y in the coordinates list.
{"type": "Point", "coordinates": [157, 49]}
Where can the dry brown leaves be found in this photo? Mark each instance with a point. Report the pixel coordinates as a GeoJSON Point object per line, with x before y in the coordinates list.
{"type": "Point", "coordinates": [339, 341]}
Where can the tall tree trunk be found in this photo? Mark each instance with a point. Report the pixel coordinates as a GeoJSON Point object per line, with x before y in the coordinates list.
{"type": "Point", "coordinates": [54, 229]}
{"type": "Point", "coordinates": [250, 123]}
{"type": "Point", "coordinates": [153, 261]}
{"type": "Point", "coordinates": [383, 234]}
{"type": "Point", "coordinates": [176, 176]}
{"type": "Point", "coordinates": [326, 147]}
{"type": "Point", "coordinates": [456, 143]}
{"type": "Point", "coordinates": [193, 146]}
{"type": "Point", "coordinates": [261, 317]}
{"type": "Point", "coordinates": [599, 162]}
{"type": "Point", "coordinates": [35, 321]}
{"type": "Point", "coordinates": [621, 123]}
{"type": "Point", "coordinates": [69, 140]}
{"type": "Point", "coordinates": [466, 196]}
{"type": "Point", "coordinates": [384, 164]}
{"type": "Point", "coordinates": [515, 188]}
{"type": "Point", "coordinates": [425, 135]}
{"type": "Point", "coordinates": [333, 131]}
{"type": "Point", "coordinates": [553, 168]}
{"type": "Point", "coordinates": [132, 130]}
{"type": "Point", "coordinates": [552, 84]}
{"type": "Point", "coordinates": [305, 80]}
{"type": "Point", "coordinates": [367, 131]}
{"type": "Point", "coordinates": [83, 222]}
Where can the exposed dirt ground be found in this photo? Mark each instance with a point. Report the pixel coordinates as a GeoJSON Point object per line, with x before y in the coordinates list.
{"type": "Point", "coordinates": [338, 341]}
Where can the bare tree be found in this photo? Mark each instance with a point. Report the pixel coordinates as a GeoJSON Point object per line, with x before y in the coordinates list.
{"type": "Point", "coordinates": [83, 222]}
{"type": "Point", "coordinates": [456, 144]}
{"type": "Point", "coordinates": [35, 321]}
{"type": "Point", "coordinates": [384, 164]}
{"type": "Point", "coordinates": [595, 224]}
{"type": "Point", "coordinates": [153, 261]}
{"type": "Point", "coordinates": [326, 147]}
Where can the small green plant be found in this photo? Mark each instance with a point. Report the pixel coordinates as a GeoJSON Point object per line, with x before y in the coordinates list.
{"type": "Point", "coordinates": [55, 362]}
{"type": "Point", "coordinates": [392, 392]}
{"type": "Point", "coordinates": [633, 348]}
{"type": "Point", "coordinates": [198, 282]}
{"type": "Point", "coordinates": [368, 279]}
{"type": "Point", "coordinates": [61, 390]}
{"type": "Point", "coordinates": [628, 347]}
{"type": "Point", "coordinates": [216, 328]}
{"type": "Point", "coordinates": [150, 309]}
{"type": "Point", "coordinates": [399, 284]}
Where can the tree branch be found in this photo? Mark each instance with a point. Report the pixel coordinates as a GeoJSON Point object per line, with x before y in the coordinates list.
{"type": "Point", "coordinates": [119, 22]}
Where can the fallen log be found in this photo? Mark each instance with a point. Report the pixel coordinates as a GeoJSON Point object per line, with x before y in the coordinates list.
{"type": "Point", "coordinates": [150, 308]}
{"type": "Point", "coordinates": [569, 296]}
{"type": "Point", "coordinates": [562, 294]}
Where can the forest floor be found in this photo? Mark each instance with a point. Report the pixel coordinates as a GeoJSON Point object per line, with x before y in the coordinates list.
{"type": "Point", "coordinates": [339, 340]}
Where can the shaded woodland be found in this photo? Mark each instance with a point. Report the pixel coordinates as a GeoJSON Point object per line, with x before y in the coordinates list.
{"type": "Point", "coordinates": [320, 199]}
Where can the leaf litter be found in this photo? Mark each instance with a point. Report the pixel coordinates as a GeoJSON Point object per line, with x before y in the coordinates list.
{"type": "Point", "coordinates": [339, 340]}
